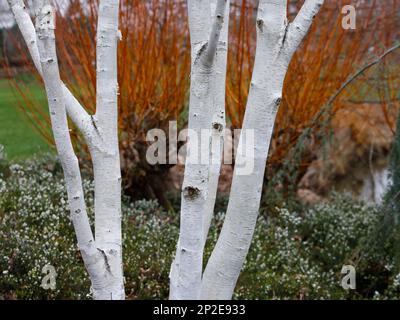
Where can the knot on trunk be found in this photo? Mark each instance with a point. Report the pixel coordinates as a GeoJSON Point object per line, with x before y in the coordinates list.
{"type": "Point", "coordinates": [217, 126]}
{"type": "Point", "coordinates": [260, 24]}
{"type": "Point", "coordinates": [191, 192]}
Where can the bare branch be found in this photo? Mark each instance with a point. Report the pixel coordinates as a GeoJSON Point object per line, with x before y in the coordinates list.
{"type": "Point", "coordinates": [298, 29]}
{"type": "Point", "coordinates": [361, 71]}
{"type": "Point", "coordinates": [215, 33]}
{"type": "Point", "coordinates": [74, 109]}
{"type": "Point", "coordinates": [107, 70]}
{"type": "Point", "coordinates": [50, 72]}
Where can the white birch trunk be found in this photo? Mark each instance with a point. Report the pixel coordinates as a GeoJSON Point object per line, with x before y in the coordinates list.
{"type": "Point", "coordinates": [105, 156]}
{"type": "Point", "coordinates": [103, 255]}
{"type": "Point", "coordinates": [218, 124]}
{"type": "Point", "coordinates": [186, 270]}
{"type": "Point", "coordinates": [276, 42]}
{"type": "Point", "coordinates": [49, 64]}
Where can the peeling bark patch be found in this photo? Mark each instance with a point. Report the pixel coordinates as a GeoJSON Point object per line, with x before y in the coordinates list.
{"type": "Point", "coordinates": [285, 35]}
{"type": "Point", "coordinates": [201, 51]}
{"type": "Point", "coordinates": [94, 124]}
{"type": "Point", "coordinates": [191, 192]}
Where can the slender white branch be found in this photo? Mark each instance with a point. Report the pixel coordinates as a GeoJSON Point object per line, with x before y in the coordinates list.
{"type": "Point", "coordinates": [105, 156]}
{"type": "Point", "coordinates": [218, 119]}
{"type": "Point", "coordinates": [69, 161]}
{"type": "Point", "coordinates": [74, 109]}
{"type": "Point", "coordinates": [107, 82]}
{"type": "Point", "coordinates": [271, 63]}
{"type": "Point", "coordinates": [27, 29]}
{"type": "Point", "coordinates": [218, 23]}
{"type": "Point", "coordinates": [186, 270]}
{"type": "Point", "coordinates": [298, 29]}
{"type": "Point", "coordinates": [102, 255]}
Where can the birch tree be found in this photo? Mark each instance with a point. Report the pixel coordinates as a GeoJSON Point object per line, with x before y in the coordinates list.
{"type": "Point", "coordinates": [101, 253]}
{"type": "Point", "coordinates": [205, 30]}
{"type": "Point", "coordinates": [277, 40]}
{"type": "Point", "coordinates": [218, 121]}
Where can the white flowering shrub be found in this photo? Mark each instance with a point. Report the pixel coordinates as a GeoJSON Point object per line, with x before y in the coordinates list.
{"type": "Point", "coordinates": [300, 256]}
{"type": "Point", "coordinates": [36, 231]}
{"type": "Point", "coordinates": [149, 236]}
{"type": "Point", "coordinates": [293, 255]}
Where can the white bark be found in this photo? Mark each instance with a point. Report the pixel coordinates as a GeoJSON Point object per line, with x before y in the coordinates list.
{"type": "Point", "coordinates": [276, 42]}
{"type": "Point", "coordinates": [218, 124]}
{"type": "Point", "coordinates": [49, 64]}
{"type": "Point", "coordinates": [102, 255]}
{"type": "Point", "coordinates": [106, 161]}
{"type": "Point", "coordinates": [186, 270]}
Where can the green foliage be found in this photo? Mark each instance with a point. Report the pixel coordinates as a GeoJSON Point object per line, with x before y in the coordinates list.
{"type": "Point", "coordinates": [294, 255]}
{"type": "Point", "coordinates": [300, 256]}
{"type": "Point", "coordinates": [17, 134]}
{"type": "Point", "coordinates": [150, 236]}
{"type": "Point", "coordinates": [36, 231]}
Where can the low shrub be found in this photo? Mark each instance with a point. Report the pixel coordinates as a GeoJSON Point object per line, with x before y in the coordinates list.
{"type": "Point", "coordinates": [36, 231]}
{"type": "Point", "coordinates": [294, 255]}
{"type": "Point", "coordinates": [301, 255]}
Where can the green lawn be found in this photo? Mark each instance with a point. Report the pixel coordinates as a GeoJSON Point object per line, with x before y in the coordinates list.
{"type": "Point", "coordinates": [17, 135]}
